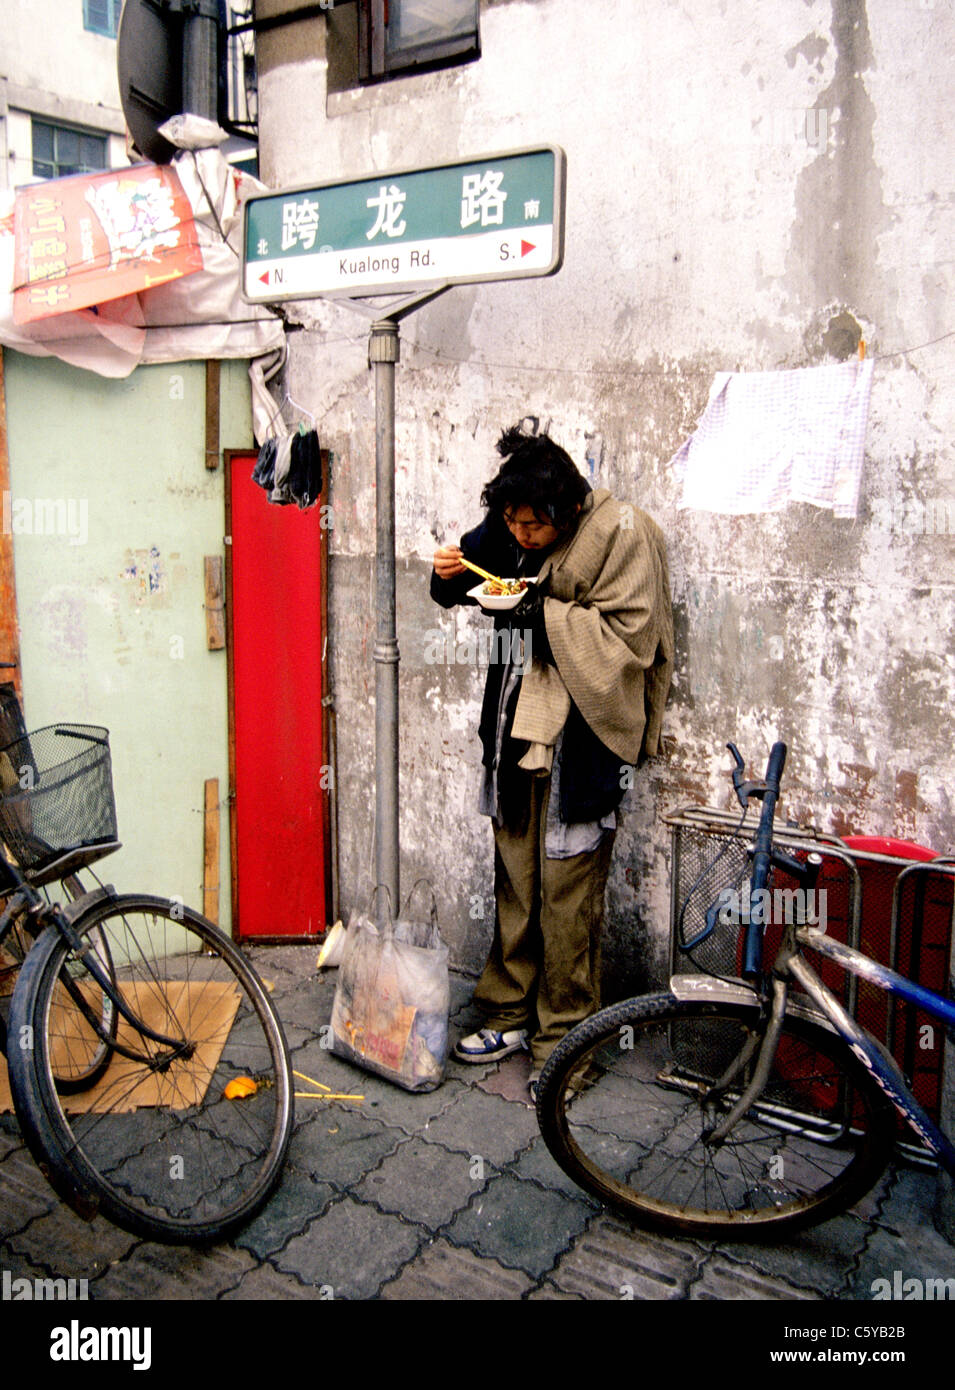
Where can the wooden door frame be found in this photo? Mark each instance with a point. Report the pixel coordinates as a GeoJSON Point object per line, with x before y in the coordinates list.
{"type": "Point", "coordinates": [9, 620]}
{"type": "Point", "coordinates": [328, 793]}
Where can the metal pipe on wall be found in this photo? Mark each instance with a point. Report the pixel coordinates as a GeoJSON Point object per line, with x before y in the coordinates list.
{"type": "Point", "coordinates": [200, 60]}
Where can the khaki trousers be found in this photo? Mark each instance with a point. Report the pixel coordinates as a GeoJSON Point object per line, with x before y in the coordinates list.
{"type": "Point", "coordinates": [545, 957]}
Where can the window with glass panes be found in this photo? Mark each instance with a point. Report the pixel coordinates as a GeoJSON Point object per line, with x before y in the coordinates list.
{"type": "Point", "coordinates": [102, 16]}
{"type": "Point", "coordinates": [400, 35]}
{"type": "Point", "coordinates": [59, 150]}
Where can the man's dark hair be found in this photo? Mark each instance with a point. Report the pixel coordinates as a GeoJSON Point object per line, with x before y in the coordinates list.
{"type": "Point", "coordinates": [536, 473]}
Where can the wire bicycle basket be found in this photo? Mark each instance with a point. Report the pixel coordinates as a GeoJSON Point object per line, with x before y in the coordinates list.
{"type": "Point", "coordinates": [57, 810]}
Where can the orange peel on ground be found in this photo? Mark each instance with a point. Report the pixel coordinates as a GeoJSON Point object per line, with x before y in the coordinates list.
{"type": "Point", "coordinates": [240, 1087]}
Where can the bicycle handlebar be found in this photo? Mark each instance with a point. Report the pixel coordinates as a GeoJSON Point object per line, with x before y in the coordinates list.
{"type": "Point", "coordinates": [774, 768]}
{"type": "Point", "coordinates": [762, 856]}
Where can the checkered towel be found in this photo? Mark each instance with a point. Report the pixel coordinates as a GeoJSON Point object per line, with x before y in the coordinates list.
{"type": "Point", "coordinates": [768, 438]}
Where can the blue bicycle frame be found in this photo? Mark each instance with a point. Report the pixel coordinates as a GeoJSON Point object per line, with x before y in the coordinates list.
{"type": "Point", "coordinates": [883, 1068]}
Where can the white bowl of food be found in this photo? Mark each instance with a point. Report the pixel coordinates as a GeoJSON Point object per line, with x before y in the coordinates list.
{"type": "Point", "coordinates": [493, 598]}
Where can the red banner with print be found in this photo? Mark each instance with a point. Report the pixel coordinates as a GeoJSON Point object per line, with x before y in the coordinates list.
{"type": "Point", "coordinates": [82, 240]}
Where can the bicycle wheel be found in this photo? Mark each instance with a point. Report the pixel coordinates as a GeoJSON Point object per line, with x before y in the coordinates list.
{"type": "Point", "coordinates": [158, 1147]}
{"type": "Point", "coordinates": [628, 1098]}
{"type": "Point", "coordinates": [87, 1016]}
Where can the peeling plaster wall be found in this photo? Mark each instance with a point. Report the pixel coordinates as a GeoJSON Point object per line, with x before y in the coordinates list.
{"type": "Point", "coordinates": [749, 186]}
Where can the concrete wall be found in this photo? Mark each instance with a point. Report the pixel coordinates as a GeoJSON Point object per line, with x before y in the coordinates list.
{"type": "Point", "coordinates": [110, 592]}
{"type": "Point", "coordinates": [749, 186]}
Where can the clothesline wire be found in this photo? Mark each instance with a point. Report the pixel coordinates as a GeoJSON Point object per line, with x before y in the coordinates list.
{"type": "Point", "coordinates": [442, 355]}
{"type": "Point", "coordinates": [630, 371]}
{"type": "Point", "coordinates": [155, 327]}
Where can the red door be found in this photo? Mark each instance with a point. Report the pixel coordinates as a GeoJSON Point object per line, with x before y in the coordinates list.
{"type": "Point", "coordinates": [279, 773]}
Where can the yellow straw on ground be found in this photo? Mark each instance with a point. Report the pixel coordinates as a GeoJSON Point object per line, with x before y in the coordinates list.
{"type": "Point", "coordinates": [329, 1093]}
{"type": "Point", "coordinates": [317, 1095]}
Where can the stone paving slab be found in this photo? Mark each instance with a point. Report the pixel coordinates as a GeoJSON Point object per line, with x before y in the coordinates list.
{"type": "Point", "coordinates": [537, 1164]}
{"type": "Point", "coordinates": [173, 1271]}
{"type": "Point", "coordinates": [381, 1099]}
{"type": "Point", "coordinates": [611, 1260]}
{"type": "Point", "coordinates": [721, 1280]}
{"type": "Point", "coordinates": [907, 1195]}
{"type": "Point", "coordinates": [818, 1259]}
{"type": "Point", "coordinates": [509, 1079]}
{"type": "Point", "coordinates": [444, 1271]}
{"type": "Point", "coordinates": [487, 1126]}
{"type": "Point", "coordinates": [308, 1004]}
{"type": "Point", "coordinates": [14, 1266]}
{"type": "Point", "coordinates": [295, 1203]}
{"type": "Point", "coordinates": [338, 1144]}
{"type": "Point", "coordinates": [462, 990]}
{"type": "Point", "coordinates": [546, 1291]}
{"type": "Point", "coordinates": [26, 1193]}
{"type": "Point", "coordinates": [352, 1250]}
{"type": "Point", "coordinates": [10, 1140]}
{"type": "Point", "coordinates": [913, 1252]}
{"type": "Point", "coordinates": [67, 1247]}
{"type": "Point", "coordinates": [425, 1182]}
{"type": "Point", "coordinates": [518, 1223]}
{"type": "Point", "coordinates": [266, 1284]}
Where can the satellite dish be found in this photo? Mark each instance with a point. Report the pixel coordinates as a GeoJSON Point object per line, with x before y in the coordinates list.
{"type": "Point", "coordinates": [149, 66]}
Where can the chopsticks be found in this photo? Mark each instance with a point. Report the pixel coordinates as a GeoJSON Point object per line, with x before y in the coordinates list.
{"type": "Point", "coordinates": [324, 1092]}
{"type": "Point", "coordinates": [483, 573]}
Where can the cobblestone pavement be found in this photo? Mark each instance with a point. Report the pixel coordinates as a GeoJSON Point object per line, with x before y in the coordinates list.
{"type": "Point", "coordinates": [448, 1195]}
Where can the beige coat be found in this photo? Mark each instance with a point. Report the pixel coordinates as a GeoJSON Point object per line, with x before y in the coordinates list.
{"type": "Point", "coordinates": [610, 628]}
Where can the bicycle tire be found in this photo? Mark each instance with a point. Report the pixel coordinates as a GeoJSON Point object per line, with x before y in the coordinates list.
{"type": "Point", "coordinates": [621, 1108]}
{"type": "Point", "coordinates": [84, 1062]}
{"type": "Point", "coordinates": [162, 1153]}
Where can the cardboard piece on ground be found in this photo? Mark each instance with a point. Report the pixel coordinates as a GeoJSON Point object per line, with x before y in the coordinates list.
{"type": "Point", "coordinates": [207, 1008]}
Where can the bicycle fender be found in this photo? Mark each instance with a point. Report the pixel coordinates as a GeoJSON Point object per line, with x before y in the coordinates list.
{"type": "Point", "coordinates": [77, 906]}
{"type": "Point", "coordinates": [685, 987]}
{"type": "Point", "coordinates": [719, 991]}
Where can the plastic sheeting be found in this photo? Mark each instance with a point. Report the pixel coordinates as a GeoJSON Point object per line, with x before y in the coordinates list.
{"type": "Point", "coordinates": [202, 315]}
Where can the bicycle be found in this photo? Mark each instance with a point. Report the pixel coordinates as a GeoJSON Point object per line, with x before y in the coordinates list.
{"type": "Point", "coordinates": [743, 1107]}
{"type": "Point", "coordinates": [148, 1068]}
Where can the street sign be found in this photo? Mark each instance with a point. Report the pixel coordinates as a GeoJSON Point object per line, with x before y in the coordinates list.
{"type": "Point", "coordinates": [495, 218]}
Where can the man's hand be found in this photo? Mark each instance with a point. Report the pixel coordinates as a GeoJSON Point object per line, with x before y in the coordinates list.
{"type": "Point", "coordinates": [529, 615]}
{"type": "Point", "coordinates": [447, 562]}
{"type": "Point", "coordinates": [531, 607]}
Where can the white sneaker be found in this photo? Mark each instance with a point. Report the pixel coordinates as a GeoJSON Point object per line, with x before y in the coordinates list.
{"type": "Point", "coordinates": [487, 1045]}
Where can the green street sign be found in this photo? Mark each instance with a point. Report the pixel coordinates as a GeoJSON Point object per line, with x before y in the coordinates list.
{"type": "Point", "coordinates": [495, 218]}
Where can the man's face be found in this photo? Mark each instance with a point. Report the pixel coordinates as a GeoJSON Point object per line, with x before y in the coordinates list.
{"type": "Point", "coordinates": [528, 530]}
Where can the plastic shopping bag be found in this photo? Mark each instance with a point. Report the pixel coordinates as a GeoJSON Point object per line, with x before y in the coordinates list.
{"type": "Point", "coordinates": [392, 1000]}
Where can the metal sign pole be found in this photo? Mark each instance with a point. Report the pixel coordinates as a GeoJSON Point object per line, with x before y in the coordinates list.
{"type": "Point", "coordinates": [383, 354]}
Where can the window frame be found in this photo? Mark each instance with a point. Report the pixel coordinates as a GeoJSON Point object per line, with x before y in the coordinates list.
{"type": "Point", "coordinates": [57, 127]}
{"type": "Point", "coordinates": [376, 64]}
{"type": "Point", "coordinates": [92, 27]}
